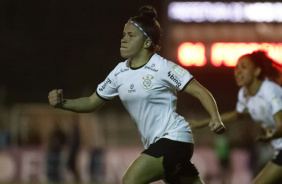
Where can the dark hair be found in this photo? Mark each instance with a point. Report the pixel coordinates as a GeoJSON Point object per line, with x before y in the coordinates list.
{"type": "Point", "coordinates": [269, 68]}
{"type": "Point", "coordinates": [148, 22]}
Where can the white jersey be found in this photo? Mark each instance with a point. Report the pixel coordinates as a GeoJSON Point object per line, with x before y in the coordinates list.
{"type": "Point", "coordinates": [262, 106]}
{"type": "Point", "coordinates": [149, 95]}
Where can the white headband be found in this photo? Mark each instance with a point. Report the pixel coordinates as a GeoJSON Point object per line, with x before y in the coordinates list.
{"type": "Point", "coordinates": [140, 28]}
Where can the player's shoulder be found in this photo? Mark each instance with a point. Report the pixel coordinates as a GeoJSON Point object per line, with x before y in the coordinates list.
{"type": "Point", "coordinates": [163, 62]}
{"type": "Point", "coordinates": [122, 64]}
{"type": "Point", "coordinates": [120, 68]}
{"type": "Point", "coordinates": [268, 85]}
{"type": "Point", "coordinates": [167, 65]}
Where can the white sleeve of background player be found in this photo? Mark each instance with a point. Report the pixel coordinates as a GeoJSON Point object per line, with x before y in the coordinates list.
{"type": "Point", "coordinates": [275, 95]}
{"type": "Point", "coordinates": [241, 105]}
{"type": "Point", "coordinates": [108, 88]}
{"type": "Point", "coordinates": [176, 76]}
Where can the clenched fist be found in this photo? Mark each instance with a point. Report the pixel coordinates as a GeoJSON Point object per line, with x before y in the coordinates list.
{"type": "Point", "coordinates": [217, 127]}
{"type": "Point", "coordinates": [55, 97]}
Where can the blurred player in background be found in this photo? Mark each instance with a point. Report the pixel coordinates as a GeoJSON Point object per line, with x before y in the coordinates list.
{"type": "Point", "coordinates": [147, 85]}
{"type": "Point", "coordinates": [260, 96]}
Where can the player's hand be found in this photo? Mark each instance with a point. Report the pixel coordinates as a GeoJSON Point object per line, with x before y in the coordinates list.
{"type": "Point", "coordinates": [263, 138]}
{"type": "Point", "coordinates": [217, 127]}
{"type": "Point", "coordinates": [267, 137]}
{"type": "Point", "coordinates": [55, 97]}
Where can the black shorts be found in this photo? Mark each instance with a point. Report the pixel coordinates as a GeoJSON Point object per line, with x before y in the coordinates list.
{"type": "Point", "coordinates": [176, 158]}
{"type": "Point", "coordinates": [278, 158]}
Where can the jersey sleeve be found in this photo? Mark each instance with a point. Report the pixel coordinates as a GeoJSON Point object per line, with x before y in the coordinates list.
{"type": "Point", "coordinates": [275, 98]}
{"type": "Point", "coordinates": [241, 105]}
{"type": "Point", "coordinates": [108, 88]}
{"type": "Point", "coordinates": [176, 76]}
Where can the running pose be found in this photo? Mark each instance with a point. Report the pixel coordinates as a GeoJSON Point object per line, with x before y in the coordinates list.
{"type": "Point", "coordinates": [147, 85]}
{"type": "Point", "coordinates": [260, 95]}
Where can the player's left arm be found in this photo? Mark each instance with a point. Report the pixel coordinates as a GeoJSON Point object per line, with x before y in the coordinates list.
{"type": "Point", "coordinates": [278, 121]}
{"type": "Point", "coordinates": [195, 89]}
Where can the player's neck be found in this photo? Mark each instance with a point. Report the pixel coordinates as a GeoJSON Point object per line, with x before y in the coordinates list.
{"type": "Point", "coordinates": [254, 87]}
{"type": "Point", "coordinates": [140, 60]}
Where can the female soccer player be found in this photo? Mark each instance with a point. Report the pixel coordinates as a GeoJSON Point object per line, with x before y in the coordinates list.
{"type": "Point", "coordinates": [147, 85]}
{"type": "Point", "coordinates": [260, 95]}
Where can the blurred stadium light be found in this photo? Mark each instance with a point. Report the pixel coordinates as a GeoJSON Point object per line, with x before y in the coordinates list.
{"type": "Point", "coordinates": [228, 53]}
{"type": "Point", "coordinates": [224, 53]}
{"type": "Point", "coordinates": [225, 12]}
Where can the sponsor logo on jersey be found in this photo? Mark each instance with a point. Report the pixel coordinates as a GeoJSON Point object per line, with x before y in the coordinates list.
{"type": "Point", "coordinates": [147, 82]}
{"type": "Point", "coordinates": [121, 71]}
{"type": "Point", "coordinates": [179, 70]}
{"type": "Point", "coordinates": [131, 90]}
{"type": "Point", "coordinates": [107, 81]}
{"type": "Point", "coordinates": [174, 78]}
{"type": "Point", "coordinates": [151, 68]}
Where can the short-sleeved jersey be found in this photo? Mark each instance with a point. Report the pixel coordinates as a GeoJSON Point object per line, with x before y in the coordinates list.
{"type": "Point", "coordinates": [262, 106]}
{"type": "Point", "coordinates": [149, 93]}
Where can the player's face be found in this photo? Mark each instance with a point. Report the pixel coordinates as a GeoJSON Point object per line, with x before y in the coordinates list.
{"type": "Point", "coordinates": [245, 72]}
{"type": "Point", "coordinates": [132, 42]}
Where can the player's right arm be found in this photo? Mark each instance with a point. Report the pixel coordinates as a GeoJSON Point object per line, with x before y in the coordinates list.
{"type": "Point", "coordinates": [225, 117]}
{"type": "Point", "coordinates": [80, 105]}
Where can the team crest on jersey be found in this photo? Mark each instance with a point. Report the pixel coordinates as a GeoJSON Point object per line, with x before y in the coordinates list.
{"type": "Point", "coordinates": [179, 70]}
{"type": "Point", "coordinates": [147, 82]}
